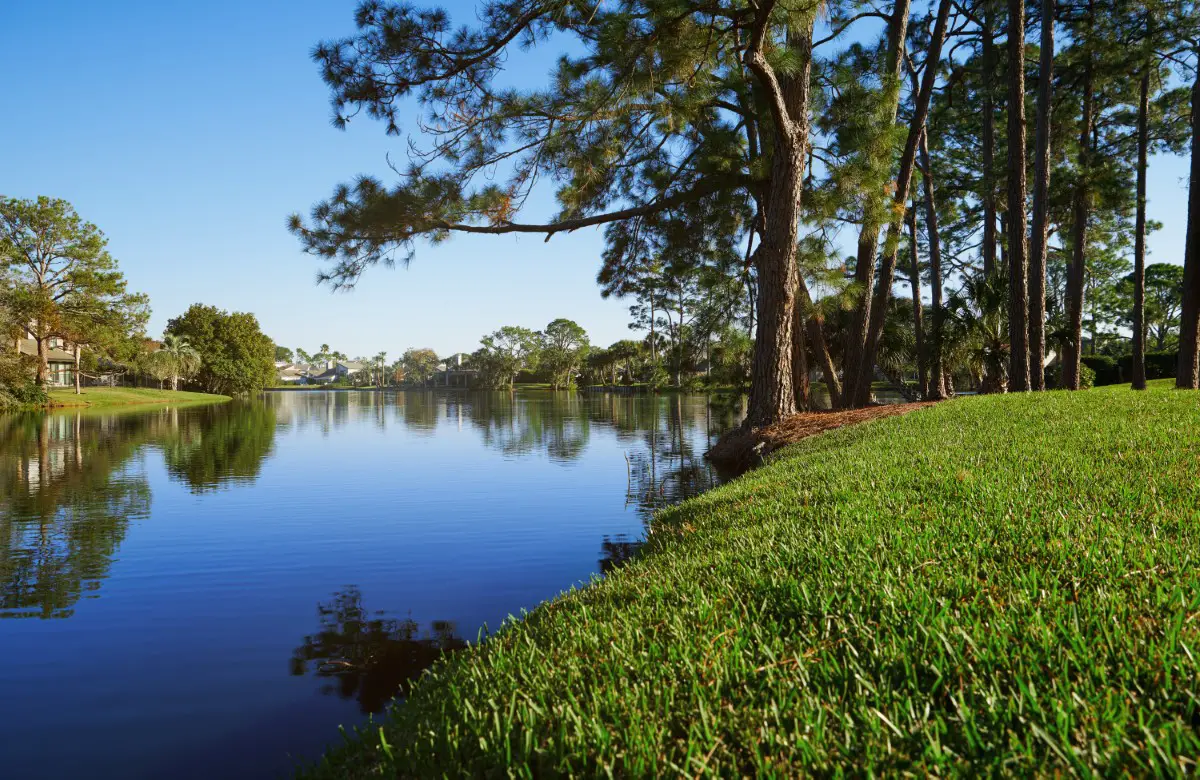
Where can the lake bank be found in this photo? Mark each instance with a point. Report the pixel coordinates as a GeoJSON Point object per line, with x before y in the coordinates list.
{"type": "Point", "coordinates": [99, 397]}
{"type": "Point", "coordinates": [1000, 583]}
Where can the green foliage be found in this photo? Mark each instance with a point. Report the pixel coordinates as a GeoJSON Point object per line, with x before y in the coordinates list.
{"type": "Point", "coordinates": [562, 349]}
{"type": "Point", "coordinates": [1054, 376]}
{"type": "Point", "coordinates": [235, 356]}
{"type": "Point", "coordinates": [58, 280]}
{"type": "Point", "coordinates": [419, 365]}
{"type": "Point", "coordinates": [504, 354]}
{"type": "Point", "coordinates": [1159, 365]}
{"type": "Point", "coordinates": [283, 353]}
{"type": "Point", "coordinates": [1104, 368]}
{"type": "Point", "coordinates": [901, 597]}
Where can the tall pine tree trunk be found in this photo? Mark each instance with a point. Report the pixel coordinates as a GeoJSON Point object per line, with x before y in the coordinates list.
{"type": "Point", "coordinates": [887, 269]}
{"type": "Point", "coordinates": [800, 357]}
{"type": "Point", "coordinates": [873, 216]}
{"type": "Point", "coordinates": [1139, 246]}
{"type": "Point", "coordinates": [771, 395]}
{"type": "Point", "coordinates": [1018, 263]}
{"type": "Point", "coordinates": [914, 275]}
{"type": "Point", "coordinates": [1188, 376]}
{"type": "Point", "coordinates": [988, 196]}
{"type": "Point", "coordinates": [937, 383]}
{"type": "Point", "coordinates": [1079, 232]}
{"type": "Point", "coordinates": [78, 391]}
{"type": "Point", "coordinates": [1041, 201]}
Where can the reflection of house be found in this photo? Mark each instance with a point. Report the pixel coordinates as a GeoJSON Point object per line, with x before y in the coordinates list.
{"type": "Point", "coordinates": [454, 371]}
{"type": "Point", "coordinates": [59, 355]}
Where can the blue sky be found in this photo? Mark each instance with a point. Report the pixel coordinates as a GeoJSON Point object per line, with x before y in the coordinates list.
{"type": "Point", "coordinates": [189, 131]}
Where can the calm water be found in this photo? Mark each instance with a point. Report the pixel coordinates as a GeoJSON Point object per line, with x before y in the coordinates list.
{"type": "Point", "coordinates": [210, 592]}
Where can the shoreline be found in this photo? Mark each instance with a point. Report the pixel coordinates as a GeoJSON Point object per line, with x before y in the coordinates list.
{"type": "Point", "coordinates": [882, 598]}
{"type": "Point", "coordinates": [106, 397]}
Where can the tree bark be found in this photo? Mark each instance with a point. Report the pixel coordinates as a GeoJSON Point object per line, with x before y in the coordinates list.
{"type": "Point", "coordinates": [1018, 265]}
{"type": "Point", "coordinates": [1138, 380]}
{"type": "Point", "coordinates": [78, 391]}
{"type": "Point", "coordinates": [914, 274]}
{"type": "Point", "coordinates": [1041, 201]}
{"type": "Point", "coordinates": [1073, 349]}
{"type": "Point", "coordinates": [771, 395]}
{"type": "Point", "coordinates": [937, 383]}
{"type": "Point", "coordinates": [868, 237]}
{"type": "Point", "coordinates": [800, 358]}
{"type": "Point", "coordinates": [988, 196]}
{"type": "Point", "coordinates": [1188, 374]}
{"type": "Point", "coordinates": [887, 269]}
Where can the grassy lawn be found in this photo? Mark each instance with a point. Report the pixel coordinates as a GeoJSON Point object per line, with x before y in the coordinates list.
{"type": "Point", "coordinates": [125, 396]}
{"type": "Point", "coordinates": [1001, 585]}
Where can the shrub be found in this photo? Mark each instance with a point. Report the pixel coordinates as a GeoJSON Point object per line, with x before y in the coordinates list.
{"type": "Point", "coordinates": [1159, 365]}
{"type": "Point", "coordinates": [1106, 369]}
{"type": "Point", "coordinates": [1087, 377]}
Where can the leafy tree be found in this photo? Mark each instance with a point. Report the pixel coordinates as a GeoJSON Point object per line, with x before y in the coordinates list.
{"type": "Point", "coordinates": [563, 347]}
{"type": "Point", "coordinates": [283, 354]}
{"type": "Point", "coordinates": [302, 356]}
{"type": "Point", "coordinates": [506, 353]}
{"type": "Point", "coordinates": [60, 281]}
{"type": "Point", "coordinates": [419, 365]}
{"type": "Point", "coordinates": [662, 115]}
{"type": "Point", "coordinates": [236, 357]}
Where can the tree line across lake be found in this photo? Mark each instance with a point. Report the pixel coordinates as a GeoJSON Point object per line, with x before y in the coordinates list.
{"type": "Point", "coordinates": [985, 161]}
{"type": "Point", "coordinates": [61, 291]}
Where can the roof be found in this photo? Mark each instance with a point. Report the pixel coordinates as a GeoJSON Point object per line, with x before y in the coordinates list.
{"type": "Point", "coordinates": [29, 347]}
{"type": "Point", "coordinates": [353, 365]}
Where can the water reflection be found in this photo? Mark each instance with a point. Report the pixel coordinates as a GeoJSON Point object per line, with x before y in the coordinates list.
{"type": "Point", "coordinates": [370, 658]}
{"type": "Point", "coordinates": [68, 491]}
{"type": "Point", "coordinates": [72, 482]}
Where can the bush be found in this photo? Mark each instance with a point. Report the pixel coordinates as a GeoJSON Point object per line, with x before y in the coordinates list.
{"type": "Point", "coordinates": [1087, 377]}
{"type": "Point", "coordinates": [1159, 365]}
{"type": "Point", "coordinates": [17, 381]}
{"type": "Point", "coordinates": [1106, 369]}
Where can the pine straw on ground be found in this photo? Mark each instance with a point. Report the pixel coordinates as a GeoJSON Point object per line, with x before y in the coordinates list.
{"type": "Point", "coordinates": [745, 449]}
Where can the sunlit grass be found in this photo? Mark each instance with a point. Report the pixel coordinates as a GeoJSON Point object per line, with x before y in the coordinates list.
{"type": "Point", "coordinates": [121, 396]}
{"type": "Point", "coordinates": [1005, 584]}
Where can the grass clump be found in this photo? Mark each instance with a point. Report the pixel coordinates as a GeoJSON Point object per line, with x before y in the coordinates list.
{"type": "Point", "coordinates": [1003, 584]}
{"type": "Point", "coordinates": [125, 396]}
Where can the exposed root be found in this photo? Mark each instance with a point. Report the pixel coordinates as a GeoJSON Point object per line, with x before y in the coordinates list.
{"type": "Point", "coordinates": [743, 449]}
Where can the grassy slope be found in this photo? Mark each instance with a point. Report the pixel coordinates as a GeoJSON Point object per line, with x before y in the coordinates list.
{"type": "Point", "coordinates": [124, 396]}
{"type": "Point", "coordinates": [1006, 581]}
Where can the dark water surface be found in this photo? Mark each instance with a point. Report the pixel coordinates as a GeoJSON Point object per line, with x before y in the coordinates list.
{"type": "Point", "coordinates": [211, 591]}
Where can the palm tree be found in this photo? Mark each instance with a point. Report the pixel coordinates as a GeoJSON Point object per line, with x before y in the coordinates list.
{"type": "Point", "coordinates": [977, 330]}
{"type": "Point", "coordinates": [183, 357]}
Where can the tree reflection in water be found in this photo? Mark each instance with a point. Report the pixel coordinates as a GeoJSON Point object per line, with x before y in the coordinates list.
{"type": "Point", "coordinates": [371, 658]}
{"type": "Point", "coordinates": [71, 483]}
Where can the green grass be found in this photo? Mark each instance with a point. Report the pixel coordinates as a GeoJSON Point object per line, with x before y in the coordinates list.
{"type": "Point", "coordinates": [1000, 585]}
{"type": "Point", "coordinates": [125, 396]}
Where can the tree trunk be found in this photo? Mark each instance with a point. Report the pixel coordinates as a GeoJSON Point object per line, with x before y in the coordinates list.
{"type": "Point", "coordinates": [78, 391]}
{"type": "Point", "coordinates": [1041, 200]}
{"type": "Point", "coordinates": [43, 360]}
{"type": "Point", "coordinates": [1073, 349]}
{"type": "Point", "coordinates": [887, 269]}
{"type": "Point", "coordinates": [800, 357]}
{"type": "Point", "coordinates": [937, 383]}
{"type": "Point", "coordinates": [915, 282]}
{"type": "Point", "coordinates": [1188, 374]}
{"type": "Point", "coordinates": [874, 215]}
{"type": "Point", "coordinates": [1018, 264]}
{"type": "Point", "coordinates": [989, 140]}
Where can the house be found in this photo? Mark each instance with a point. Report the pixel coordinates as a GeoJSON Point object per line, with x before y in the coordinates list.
{"type": "Point", "coordinates": [348, 368]}
{"type": "Point", "coordinates": [59, 355]}
{"type": "Point", "coordinates": [455, 371]}
{"type": "Point", "coordinates": [292, 374]}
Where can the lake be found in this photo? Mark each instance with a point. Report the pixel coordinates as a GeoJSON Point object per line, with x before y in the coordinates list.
{"type": "Point", "coordinates": [211, 591]}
